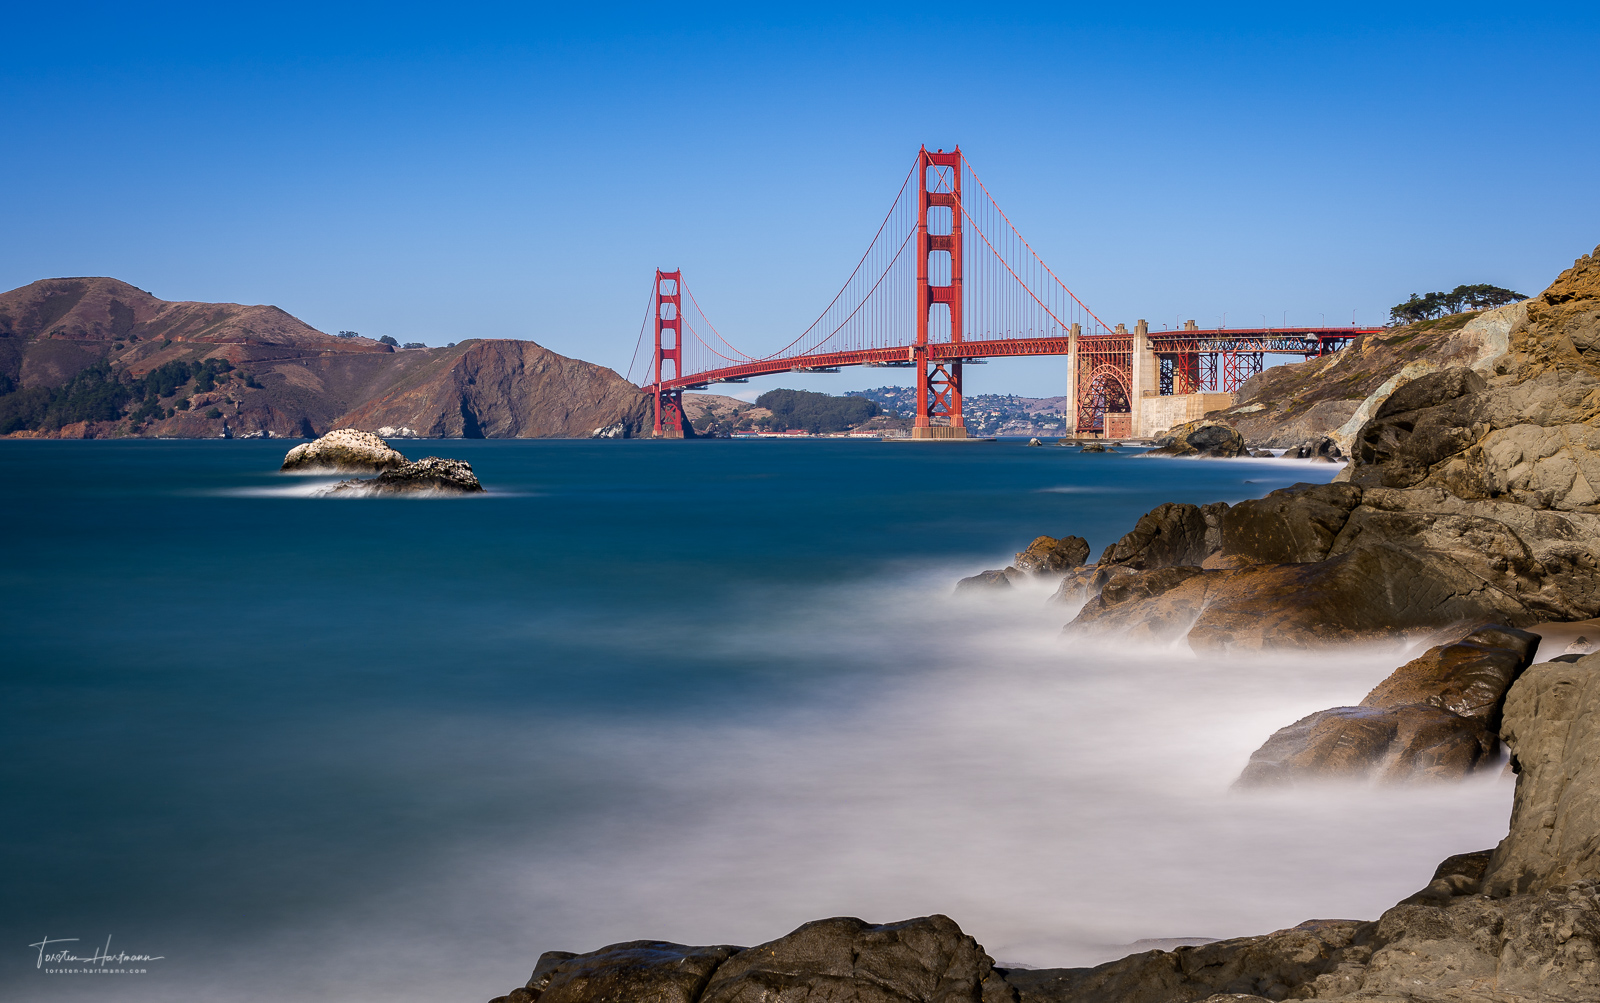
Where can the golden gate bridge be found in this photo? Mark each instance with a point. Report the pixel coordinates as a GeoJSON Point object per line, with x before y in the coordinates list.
{"type": "Point", "coordinates": [948, 281]}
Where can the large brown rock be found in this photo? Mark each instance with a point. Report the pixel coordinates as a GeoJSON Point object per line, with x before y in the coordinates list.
{"type": "Point", "coordinates": [1166, 536]}
{"type": "Point", "coordinates": [1274, 966]}
{"type": "Point", "coordinates": [1469, 678]}
{"type": "Point", "coordinates": [1205, 437]}
{"type": "Point", "coordinates": [1434, 717]}
{"type": "Point", "coordinates": [1047, 555]}
{"type": "Point", "coordinates": [926, 960]}
{"type": "Point", "coordinates": [1367, 594]}
{"type": "Point", "coordinates": [1291, 525]}
{"type": "Point", "coordinates": [1552, 725]}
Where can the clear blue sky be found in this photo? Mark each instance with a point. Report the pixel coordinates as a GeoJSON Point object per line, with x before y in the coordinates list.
{"type": "Point", "coordinates": [438, 173]}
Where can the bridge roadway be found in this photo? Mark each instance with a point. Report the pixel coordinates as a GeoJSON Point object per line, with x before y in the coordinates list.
{"type": "Point", "coordinates": [1309, 342]}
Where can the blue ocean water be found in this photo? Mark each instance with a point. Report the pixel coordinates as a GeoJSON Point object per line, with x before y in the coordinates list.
{"type": "Point", "coordinates": [315, 748]}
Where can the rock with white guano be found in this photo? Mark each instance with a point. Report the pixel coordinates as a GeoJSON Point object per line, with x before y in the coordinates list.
{"type": "Point", "coordinates": [344, 449]}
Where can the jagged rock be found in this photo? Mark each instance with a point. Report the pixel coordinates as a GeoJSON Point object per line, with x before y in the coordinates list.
{"type": "Point", "coordinates": [343, 449]}
{"type": "Point", "coordinates": [1206, 437]}
{"type": "Point", "coordinates": [1166, 536]}
{"type": "Point", "coordinates": [927, 959]}
{"type": "Point", "coordinates": [985, 581]}
{"type": "Point", "coordinates": [1367, 594]}
{"type": "Point", "coordinates": [1293, 525]}
{"type": "Point", "coordinates": [1035, 442]}
{"type": "Point", "coordinates": [1469, 678]}
{"type": "Point", "coordinates": [1580, 646]}
{"type": "Point", "coordinates": [1047, 555]}
{"type": "Point", "coordinates": [1082, 584]}
{"type": "Point", "coordinates": [1552, 725]}
{"type": "Point", "coordinates": [431, 473]}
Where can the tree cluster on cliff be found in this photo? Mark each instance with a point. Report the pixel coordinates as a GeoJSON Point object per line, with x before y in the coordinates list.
{"type": "Point", "coordinates": [104, 393]}
{"type": "Point", "coordinates": [814, 412]}
{"type": "Point", "coordinates": [1457, 300]}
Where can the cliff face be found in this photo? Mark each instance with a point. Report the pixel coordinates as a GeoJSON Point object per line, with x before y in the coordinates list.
{"type": "Point", "coordinates": [301, 382]}
{"type": "Point", "coordinates": [1333, 396]}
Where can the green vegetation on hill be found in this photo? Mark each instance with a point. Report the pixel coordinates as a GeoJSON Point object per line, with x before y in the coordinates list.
{"type": "Point", "coordinates": [814, 412]}
{"type": "Point", "coordinates": [101, 393]}
{"type": "Point", "coordinates": [1476, 297]}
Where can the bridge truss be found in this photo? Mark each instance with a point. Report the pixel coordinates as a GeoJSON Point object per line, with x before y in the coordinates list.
{"type": "Point", "coordinates": [947, 281]}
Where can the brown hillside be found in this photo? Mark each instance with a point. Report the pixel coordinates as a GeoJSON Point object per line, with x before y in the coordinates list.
{"type": "Point", "coordinates": [309, 382]}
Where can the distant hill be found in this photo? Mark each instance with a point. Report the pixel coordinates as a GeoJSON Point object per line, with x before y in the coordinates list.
{"type": "Point", "coordinates": [97, 357]}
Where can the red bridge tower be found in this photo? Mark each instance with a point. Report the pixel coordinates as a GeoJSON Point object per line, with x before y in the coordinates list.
{"type": "Point", "coordinates": [938, 293]}
{"type": "Point", "coordinates": [669, 328]}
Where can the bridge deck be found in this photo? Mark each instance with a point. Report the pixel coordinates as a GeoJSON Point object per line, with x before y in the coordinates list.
{"type": "Point", "coordinates": [1305, 341]}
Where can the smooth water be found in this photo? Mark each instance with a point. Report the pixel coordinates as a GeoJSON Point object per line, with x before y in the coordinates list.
{"type": "Point", "coordinates": [392, 749]}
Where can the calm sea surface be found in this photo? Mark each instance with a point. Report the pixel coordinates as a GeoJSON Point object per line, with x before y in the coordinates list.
{"type": "Point", "coordinates": [392, 749]}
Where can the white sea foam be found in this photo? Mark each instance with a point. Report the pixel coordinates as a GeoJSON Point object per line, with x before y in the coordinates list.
{"type": "Point", "coordinates": [1051, 797]}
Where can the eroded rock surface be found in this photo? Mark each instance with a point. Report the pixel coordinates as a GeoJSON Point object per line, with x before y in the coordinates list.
{"type": "Point", "coordinates": [344, 449]}
{"type": "Point", "coordinates": [431, 474]}
{"type": "Point", "coordinates": [1048, 555]}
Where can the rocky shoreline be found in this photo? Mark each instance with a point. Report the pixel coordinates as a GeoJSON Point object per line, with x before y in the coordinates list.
{"type": "Point", "coordinates": [1470, 511]}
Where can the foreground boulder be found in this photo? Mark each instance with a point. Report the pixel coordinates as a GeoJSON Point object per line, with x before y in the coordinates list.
{"type": "Point", "coordinates": [1048, 555]}
{"type": "Point", "coordinates": [431, 473]}
{"type": "Point", "coordinates": [1435, 717]}
{"type": "Point", "coordinates": [1205, 437]}
{"type": "Point", "coordinates": [343, 449]}
{"type": "Point", "coordinates": [927, 959]}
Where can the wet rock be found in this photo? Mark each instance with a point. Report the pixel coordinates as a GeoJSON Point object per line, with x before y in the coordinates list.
{"type": "Point", "coordinates": [1095, 447]}
{"type": "Point", "coordinates": [1035, 442]}
{"type": "Point", "coordinates": [343, 449]}
{"type": "Point", "coordinates": [1413, 741]}
{"type": "Point", "coordinates": [1048, 555]}
{"type": "Point", "coordinates": [1435, 717]}
{"type": "Point", "coordinates": [986, 581]}
{"type": "Point", "coordinates": [431, 473]}
{"type": "Point", "coordinates": [927, 959]}
{"type": "Point", "coordinates": [1206, 437]}
{"type": "Point", "coordinates": [1368, 594]}
{"type": "Point", "coordinates": [1469, 678]}
{"type": "Point", "coordinates": [1580, 646]}
{"type": "Point", "coordinates": [1263, 454]}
